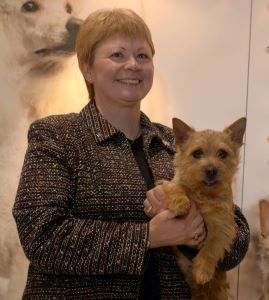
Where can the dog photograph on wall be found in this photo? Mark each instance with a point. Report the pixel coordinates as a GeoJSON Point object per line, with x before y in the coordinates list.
{"type": "Point", "coordinates": [39, 76]}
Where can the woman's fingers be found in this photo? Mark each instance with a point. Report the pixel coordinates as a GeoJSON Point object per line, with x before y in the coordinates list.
{"type": "Point", "coordinates": [195, 226]}
{"type": "Point", "coordinates": [166, 229]}
{"type": "Point", "coordinates": [148, 208]}
{"type": "Point", "coordinates": [188, 230]}
{"type": "Point", "coordinates": [155, 201]}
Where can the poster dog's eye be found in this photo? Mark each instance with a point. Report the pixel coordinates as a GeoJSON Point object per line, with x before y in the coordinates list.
{"type": "Point", "coordinates": [30, 6]}
{"type": "Point", "coordinates": [68, 8]}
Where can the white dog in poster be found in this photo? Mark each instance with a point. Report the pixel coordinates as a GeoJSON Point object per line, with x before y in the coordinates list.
{"type": "Point", "coordinates": [41, 44]}
{"type": "Point", "coordinates": [39, 76]}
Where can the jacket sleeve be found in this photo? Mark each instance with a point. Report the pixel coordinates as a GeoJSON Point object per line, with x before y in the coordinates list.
{"type": "Point", "coordinates": [240, 244]}
{"type": "Point", "coordinates": [239, 247]}
{"type": "Point", "coordinates": [54, 240]}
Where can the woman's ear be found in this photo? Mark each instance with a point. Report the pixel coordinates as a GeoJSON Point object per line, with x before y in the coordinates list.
{"type": "Point", "coordinates": [86, 71]}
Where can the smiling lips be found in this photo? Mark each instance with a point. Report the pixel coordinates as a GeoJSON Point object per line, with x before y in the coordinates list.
{"type": "Point", "coordinates": [130, 81]}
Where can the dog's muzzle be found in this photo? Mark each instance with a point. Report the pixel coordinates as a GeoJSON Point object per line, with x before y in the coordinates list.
{"type": "Point", "coordinates": [211, 176]}
{"type": "Point", "coordinates": [68, 46]}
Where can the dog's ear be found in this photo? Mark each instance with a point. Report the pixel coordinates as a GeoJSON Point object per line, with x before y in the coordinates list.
{"type": "Point", "coordinates": [237, 130]}
{"type": "Point", "coordinates": [181, 130]}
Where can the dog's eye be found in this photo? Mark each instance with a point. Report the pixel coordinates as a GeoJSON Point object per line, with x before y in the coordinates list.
{"type": "Point", "coordinates": [197, 153]}
{"type": "Point", "coordinates": [30, 6]}
{"type": "Point", "coordinates": [222, 154]}
{"type": "Point", "coordinates": [68, 8]}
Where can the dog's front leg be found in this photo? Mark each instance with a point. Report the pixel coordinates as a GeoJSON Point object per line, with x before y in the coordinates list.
{"type": "Point", "coordinates": [177, 199]}
{"type": "Point", "coordinates": [221, 234]}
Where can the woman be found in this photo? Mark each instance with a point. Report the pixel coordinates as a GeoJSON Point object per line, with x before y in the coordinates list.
{"type": "Point", "coordinates": [81, 211]}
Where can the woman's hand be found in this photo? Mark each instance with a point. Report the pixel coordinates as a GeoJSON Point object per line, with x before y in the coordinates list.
{"type": "Point", "coordinates": [166, 229]}
{"type": "Point", "coordinates": [155, 201]}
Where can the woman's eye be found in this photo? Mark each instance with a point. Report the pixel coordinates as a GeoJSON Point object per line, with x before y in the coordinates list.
{"type": "Point", "coordinates": [116, 55]}
{"type": "Point", "coordinates": [197, 153]}
{"type": "Point", "coordinates": [222, 154]}
{"type": "Point", "coordinates": [143, 56]}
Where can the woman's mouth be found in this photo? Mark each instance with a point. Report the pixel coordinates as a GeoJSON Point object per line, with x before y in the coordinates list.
{"type": "Point", "coordinates": [130, 81]}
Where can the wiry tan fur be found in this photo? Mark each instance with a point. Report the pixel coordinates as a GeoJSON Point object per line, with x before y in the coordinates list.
{"type": "Point", "coordinates": [203, 169]}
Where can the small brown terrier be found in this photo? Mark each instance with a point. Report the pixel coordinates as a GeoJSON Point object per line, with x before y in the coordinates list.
{"type": "Point", "coordinates": [206, 162]}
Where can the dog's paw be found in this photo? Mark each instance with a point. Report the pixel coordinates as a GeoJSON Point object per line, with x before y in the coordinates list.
{"type": "Point", "coordinates": [162, 182]}
{"type": "Point", "coordinates": [179, 205]}
{"type": "Point", "coordinates": [177, 199]}
{"type": "Point", "coordinates": [203, 271]}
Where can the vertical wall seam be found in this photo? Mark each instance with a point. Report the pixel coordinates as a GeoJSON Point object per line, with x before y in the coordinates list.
{"type": "Point", "coordinates": [246, 113]}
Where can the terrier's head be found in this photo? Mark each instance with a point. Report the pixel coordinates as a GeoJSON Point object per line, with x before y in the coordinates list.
{"type": "Point", "coordinates": [207, 160]}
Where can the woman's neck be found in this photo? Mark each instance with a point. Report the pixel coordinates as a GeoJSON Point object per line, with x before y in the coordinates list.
{"type": "Point", "coordinates": [125, 119]}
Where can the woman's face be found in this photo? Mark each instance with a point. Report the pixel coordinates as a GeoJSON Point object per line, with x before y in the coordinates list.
{"type": "Point", "coordinates": [122, 70]}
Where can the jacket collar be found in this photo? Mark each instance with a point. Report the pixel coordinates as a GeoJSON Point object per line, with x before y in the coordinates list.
{"type": "Point", "coordinates": [102, 130]}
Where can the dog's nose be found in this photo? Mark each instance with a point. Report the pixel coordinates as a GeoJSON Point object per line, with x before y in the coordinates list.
{"type": "Point", "coordinates": [211, 173]}
{"type": "Point", "coordinates": [73, 25]}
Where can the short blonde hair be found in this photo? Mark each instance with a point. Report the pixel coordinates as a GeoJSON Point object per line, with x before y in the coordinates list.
{"type": "Point", "coordinates": [102, 24]}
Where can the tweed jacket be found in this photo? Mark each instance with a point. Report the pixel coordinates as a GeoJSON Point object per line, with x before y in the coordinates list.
{"type": "Point", "coordinates": [79, 210]}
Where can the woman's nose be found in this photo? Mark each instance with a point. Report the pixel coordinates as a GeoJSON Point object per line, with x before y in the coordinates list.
{"type": "Point", "coordinates": [132, 63]}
